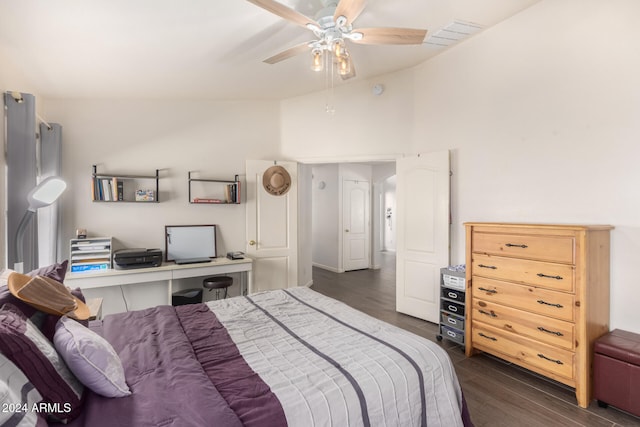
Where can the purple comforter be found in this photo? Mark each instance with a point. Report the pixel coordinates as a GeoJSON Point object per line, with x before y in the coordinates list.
{"type": "Point", "coordinates": [183, 370]}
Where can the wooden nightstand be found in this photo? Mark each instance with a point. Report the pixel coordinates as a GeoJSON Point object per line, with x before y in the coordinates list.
{"type": "Point", "coordinates": [95, 307]}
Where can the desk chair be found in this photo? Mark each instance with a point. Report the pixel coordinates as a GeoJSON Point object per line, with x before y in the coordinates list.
{"type": "Point", "coordinates": [218, 283]}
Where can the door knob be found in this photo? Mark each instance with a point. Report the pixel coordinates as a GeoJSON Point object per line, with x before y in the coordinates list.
{"type": "Point", "coordinates": [252, 242]}
{"type": "Point", "coordinates": [346, 231]}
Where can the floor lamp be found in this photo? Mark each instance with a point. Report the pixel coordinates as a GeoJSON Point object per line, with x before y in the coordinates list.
{"type": "Point", "coordinates": [42, 195]}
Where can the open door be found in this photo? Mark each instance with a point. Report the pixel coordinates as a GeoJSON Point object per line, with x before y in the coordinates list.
{"type": "Point", "coordinates": [422, 206]}
{"type": "Point", "coordinates": [272, 228]}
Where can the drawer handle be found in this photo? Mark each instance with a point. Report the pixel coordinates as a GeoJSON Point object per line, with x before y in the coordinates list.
{"type": "Point", "coordinates": [491, 291]}
{"type": "Point", "coordinates": [493, 267]}
{"type": "Point", "coordinates": [486, 313]}
{"type": "Point", "coordinates": [488, 337]}
{"type": "Point", "coordinates": [541, 329]}
{"type": "Point", "coordinates": [452, 308]}
{"type": "Point", "coordinates": [542, 356]}
{"type": "Point", "coordinates": [452, 295]}
{"type": "Point", "coordinates": [549, 277]}
{"type": "Point", "coordinates": [451, 334]}
{"type": "Point", "coordinates": [548, 303]}
{"type": "Point", "coordinates": [512, 245]}
{"type": "Point", "coordinates": [452, 320]}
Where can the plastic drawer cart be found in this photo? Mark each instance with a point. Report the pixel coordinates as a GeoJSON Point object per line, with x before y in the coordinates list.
{"type": "Point", "coordinates": [452, 304]}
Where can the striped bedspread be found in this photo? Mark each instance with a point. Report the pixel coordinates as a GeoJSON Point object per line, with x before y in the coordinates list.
{"type": "Point", "coordinates": [330, 365]}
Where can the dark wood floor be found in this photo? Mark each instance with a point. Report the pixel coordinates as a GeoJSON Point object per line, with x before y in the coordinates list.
{"type": "Point", "coordinates": [498, 393]}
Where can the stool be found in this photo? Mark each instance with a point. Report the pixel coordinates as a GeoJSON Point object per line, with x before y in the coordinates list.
{"type": "Point", "coordinates": [616, 371]}
{"type": "Point", "coordinates": [218, 283]}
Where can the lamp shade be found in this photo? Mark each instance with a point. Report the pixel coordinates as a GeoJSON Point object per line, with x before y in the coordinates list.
{"type": "Point", "coordinates": [42, 195]}
{"type": "Point", "coordinates": [46, 192]}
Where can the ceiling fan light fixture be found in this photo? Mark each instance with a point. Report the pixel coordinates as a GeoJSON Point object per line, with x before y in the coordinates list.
{"type": "Point", "coordinates": [338, 48]}
{"type": "Point", "coordinates": [317, 64]}
{"type": "Point", "coordinates": [344, 65]}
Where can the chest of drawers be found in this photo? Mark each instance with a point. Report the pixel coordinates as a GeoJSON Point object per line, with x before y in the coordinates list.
{"type": "Point", "coordinates": [538, 296]}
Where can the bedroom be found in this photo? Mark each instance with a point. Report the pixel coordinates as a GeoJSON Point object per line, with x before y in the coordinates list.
{"type": "Point", "coordinates": [538, 112]}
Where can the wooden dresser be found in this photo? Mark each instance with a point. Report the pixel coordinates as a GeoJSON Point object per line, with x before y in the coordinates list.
{"type": "Point", "coordinates": [538, 296]}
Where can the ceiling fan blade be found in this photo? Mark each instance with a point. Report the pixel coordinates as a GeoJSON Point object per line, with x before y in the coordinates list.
{"type": "Point", "coordinates": [390, 36]}
{"type": "Point", "coordinates": [284, 12]}
{"type": "Point", "coordinates": [288, 53]}
{"type": "Point", "coordinates": [350, 9]}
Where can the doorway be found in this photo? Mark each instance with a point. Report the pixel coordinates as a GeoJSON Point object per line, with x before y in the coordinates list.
{"type": "Point", "coordinates": [354, 197]}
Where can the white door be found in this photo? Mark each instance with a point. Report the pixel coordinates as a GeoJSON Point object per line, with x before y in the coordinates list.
{"type": "Point", "coordinates": [422, 207]}
{"type": "Point", "coordinates": [272, 229]}
{"type": "Point", "coordinates": [356, 224]}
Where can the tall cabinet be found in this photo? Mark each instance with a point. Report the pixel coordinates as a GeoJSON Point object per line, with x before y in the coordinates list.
{"type": "Point", "coordinates": [538, 296]}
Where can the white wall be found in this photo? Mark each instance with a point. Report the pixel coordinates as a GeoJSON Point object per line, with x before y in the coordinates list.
{"type": "Point", "coordinates": [540, 114]}
{"type": "Point", "coordinates": [325, 207]}
{"type": "Point", "coordinates": [389, 214]}
{"type": "Point", "coordinates": [139, 136]}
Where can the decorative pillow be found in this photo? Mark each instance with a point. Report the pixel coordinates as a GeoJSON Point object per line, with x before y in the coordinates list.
{"type": "Point", "coordinates": [91, 358]}
{"type": "Point", "coordinates": [19, 398]}
{"type": "Point", "coordinates": [56, 271]}
{"type": "Point", "coordinates": [23, 344]}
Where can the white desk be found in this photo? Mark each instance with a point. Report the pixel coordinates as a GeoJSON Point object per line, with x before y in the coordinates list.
{"type": "Point", "coordinates": [167, 272]}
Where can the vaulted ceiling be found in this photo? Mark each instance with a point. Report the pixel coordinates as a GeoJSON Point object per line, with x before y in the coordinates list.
{"type": "Point", "coordinates": [210, 49]}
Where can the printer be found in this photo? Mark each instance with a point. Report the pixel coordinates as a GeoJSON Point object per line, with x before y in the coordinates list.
{"type": "Point", "coordinates": [126, 259]}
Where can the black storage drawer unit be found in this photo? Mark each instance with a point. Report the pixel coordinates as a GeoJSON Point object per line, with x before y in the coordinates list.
{"type": "Point", "coordinates": [452, 334]}
{"type": "Point", "coordinates": [452, 294]}
{"type": "Point", "coordinates": [452, 320]}
{"type": "Point", "coordinates": [452, 307]}
{"type": "Point", "coordinates": [452, 304]}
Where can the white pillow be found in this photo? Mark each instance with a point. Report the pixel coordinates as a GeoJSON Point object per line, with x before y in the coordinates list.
{"type": "Point", "coordinates": [18, 396]}
{"type": "Point", "coordinates": [91, 358]}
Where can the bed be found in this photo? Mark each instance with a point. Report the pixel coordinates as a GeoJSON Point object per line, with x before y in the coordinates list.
{"type": "Point", "coordinates": [278, 358]}
{"type": "Point", "coordinates": [288, 357]}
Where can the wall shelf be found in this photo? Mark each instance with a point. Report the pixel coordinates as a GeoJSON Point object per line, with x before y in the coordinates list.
{"type": "Point", "coordinates": [122, 188]}
{"type": "Point", "coordinates": [214, 191]}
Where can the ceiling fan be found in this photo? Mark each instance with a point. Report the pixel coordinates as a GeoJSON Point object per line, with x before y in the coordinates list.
{"type": "Point", "coordinates": [332, 27]}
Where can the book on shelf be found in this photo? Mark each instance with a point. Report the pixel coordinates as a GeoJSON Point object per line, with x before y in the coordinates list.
{"type": "Point", "coordinates": [232, 193]}
{"type": "Point", "coordinates": [119, 189]}
{"type": "Point", "coordinates": [206, 200]}
{"type": "Point", "coordinates": [107, 189]}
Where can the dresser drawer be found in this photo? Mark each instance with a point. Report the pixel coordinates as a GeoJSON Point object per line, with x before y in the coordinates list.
{"type": "Point", "coordinates": [559, 305]}
{"type": "Point", "coordinates": [527, 352]}
{"type": "Point", "coordinates": [542, 248]}
{"type": "Point", "coordinates": [543, 274]}
{"type": "Point", "coordinates": [541, 328]}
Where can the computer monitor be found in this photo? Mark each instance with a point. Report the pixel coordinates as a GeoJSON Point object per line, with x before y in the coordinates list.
{"type": "Point", "coordinates": [190, 242]}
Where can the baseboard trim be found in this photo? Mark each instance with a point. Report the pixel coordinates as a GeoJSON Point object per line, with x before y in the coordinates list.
{"type": "Point", "coordinates": [326, 267]}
